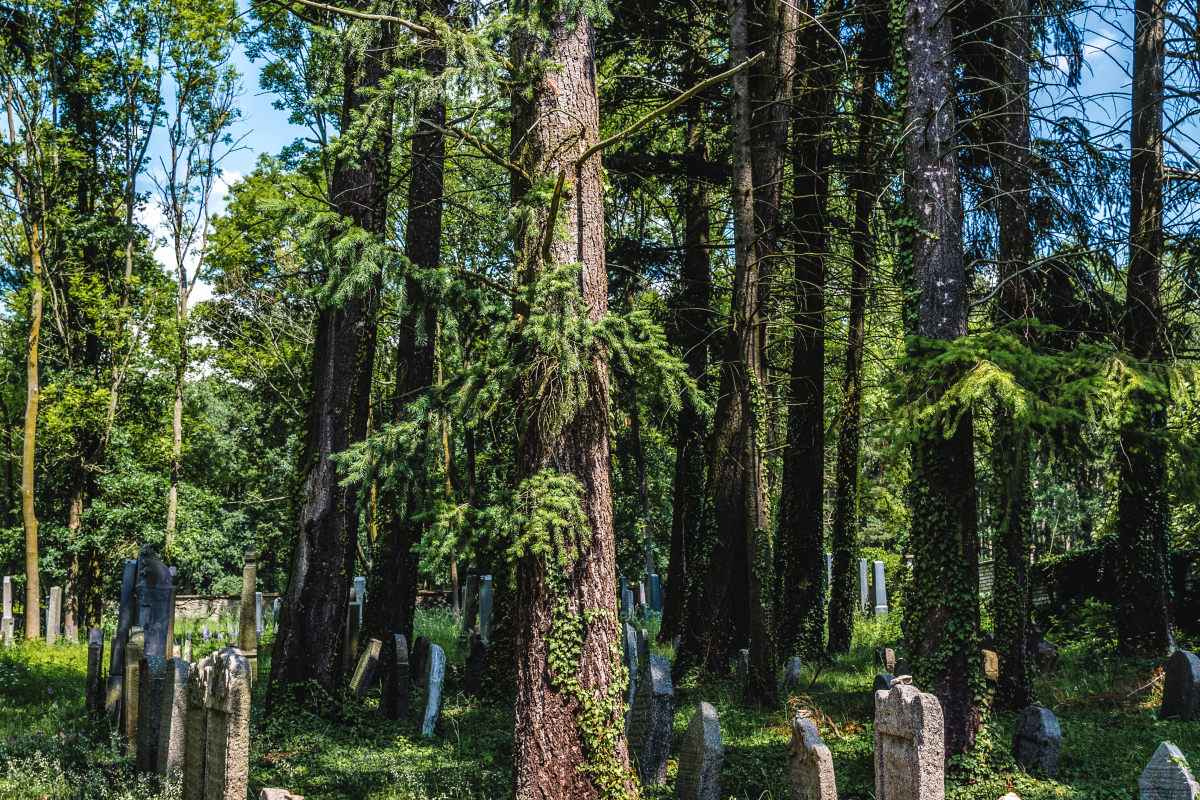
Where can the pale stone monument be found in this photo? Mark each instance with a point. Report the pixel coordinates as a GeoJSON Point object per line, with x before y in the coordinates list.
{"type": "Point", "coordinates": [1181, 689]}
{"type": "Point", "coordinates": [93, 700]}
{"type": "Point", "coordinates": [650, 723]}
{"type": "Point", "coordinates": [217, 746]}
{"type": "Point", "coordinates": [53, 614]}
{"type": "Point", "coordinates": [435, 673]}
{"type": "Point", "coordinates": [187, 648]}
{"type": "Point", "coordinates": [364, 673]}
{"type": "Point", "coordinates": [743, 666]}
{"type": "Point", "coordinates": [809, 764]}
{"type": "Point", "coordinates": [1036, 740]}
{"type": "Point", "coordinates": [152, 674]}
{"type": "Point", "coordinates": [7, 622]}
{"type": "Point", "coordinates": [1167, 777]}
{"type": "Point", "coordinates": [247, 632]}
{"type": "Point", "coordinates": [394, 703]}
{"type": "Point", "coordinates": [172, 721]}
{"type": "Point", "coordinates": [196, 729]}
{"type": "Point", "coordinates": [829, 569]}
{"type": "Point", "coordinates": [702, 757]}
{"type": "Point", "coordinates": [130, 691]}
{"type": "Point", "coordinates": [909, 745]}
{"type": "Point", "coordinates": [258, 621]}
{"type": "Point", "coordinates": [863, 586]}
{"type": "Point", "coordinates": [880, 590]}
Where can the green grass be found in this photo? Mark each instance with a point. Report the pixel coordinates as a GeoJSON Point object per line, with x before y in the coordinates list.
{"type": "Point", "coordinates": [1110, 730]}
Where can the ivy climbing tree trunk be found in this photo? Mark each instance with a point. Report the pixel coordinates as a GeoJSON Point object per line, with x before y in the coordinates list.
{"type": "Point", "coordinates": [317, 594]}
{"type": "Point", "coordinates": [32, 395]}
{"type": "Point", "coordinates": [943, 612]}
{"type": "Point", "coordinates": [1143, 507]}
{"type": "Point", "coordinates": [568, 738]}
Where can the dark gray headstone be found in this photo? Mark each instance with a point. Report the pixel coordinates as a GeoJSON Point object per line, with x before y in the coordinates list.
{"type": "Point", "coordinates": [651, 721]}
{"type": "Point", "coordinates": [702, 757]}
{"type": "Point", "coordinates": [791, 674]}
{"type": "Point", "coordinates": [643, 646]}
{"type": "Point", "coordinates": [486, 596]}
{"type": "Point", "coordinates": [152, 599]}
{"type": "Point", "coordinates": [883, 682]}
{"type": "Point", "coordinates": [364, 671]}
{"type": "Point", "coordinates": [172, 720]}
{"type": "Point", "coordinates": [1181, 689]}
{"type": "Point", "coordinates": [655, 593]}
{"type": "Point", "coordinates": [476, 668]}
{"type": "Point", "coordinates": [902, 668]}
{"type": "Point", "coordinates": [1167, 777]}
{"type": "Point", "coordinates": [395, 689]}
{"type": "Point", "coordinates": [743, 666]}
{"type": "Point", "coordinates": [1036, 740]}
{"type": "Point", "coordinates": [631, 658]}
{"type": "Point", "coordinates": [126, 619]}
{"type": "Point", "coordinates": [94, 692]}
{"type": "Point", "coordinates": [471, 607]}
{"type": "Point", "coordinates": [153, 672]}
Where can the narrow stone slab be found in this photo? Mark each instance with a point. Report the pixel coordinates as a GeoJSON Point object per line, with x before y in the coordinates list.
{"type": "Point", "coordinates": [743, 666]}
{"type": "Point", "coordinates": [152, 593]}
{"type": "Point", "coordinates": [364, 673]}
{"type": "Point", "coordinates": [396, 688]}
{"type": "Point", "coordinates": [247, 632]}
{"type": "Point", "coordinates": [172, 721]}
{"type": "Point", "coordinates": [879, 589]}
{"type": "Point", "coordinates": [187, 648]}
{"type": "Point", "coordinates": [809, 764]}
{"type": "Point", "coordinates": [93, 702]}
{"type": "Point", "coordinates": [435, 673]}
{"type": "Point", "coordinates": [643, 646]}
{"type": "Point", "coordinates": [631, 658]}
{"type": "Point", "coordinates": [195, 743]}
{"type": "Point", "coordinates": [53, 614]}
{"type": "Point", "coordinates": [864, 587]}
{"type": "Point", "coordinates": [909, 745]}
{"type": "Point", "coordinates": [791, 674]}
{"type": "Point", "coordinates": [227, 755]}
{"type": "Point", "coordinates": [486, 601]}
{"type": "Point", "coordinates": [991, 665]}
{"type": "Point", "coordinates": [116, 658]}
{"type": "Point", "coordinates": [7, 622]}
{"type": "Point", "coordinates": [1167, 777]}
{"type": "Point", "coordinates": [1036, 740]}
{"type": "Point", "coordinates": [130, 693]}
{"type": "Point", "coordinates": [702, 758]}
{"type": "Point", "coordinates": [1181, 689]}
{"type": "Point", "coordinates": [152, 673]}
{"type": "Point", "coordinates": [651, 721]}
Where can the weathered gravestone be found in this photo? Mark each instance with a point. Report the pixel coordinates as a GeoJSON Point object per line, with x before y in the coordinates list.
{"type": "Point", "coordinates": [420, 653]}
{"type": "Point", "coordinates": [1036, 740]}
{"type": "Point", "coordinates": [187, 648]}
{"type": "Point", "coordinates": [655, 593]}
{"type": "Point", "coordinates": [93, 700]}
{"type": "Point", "coordinates": [650, 723]}
{"type": "Point", "coordinates": [116, 659]}
{"type": "Point", "coordinates": [702, 757]}
{"type": "Point", "coordinates": [153, 601]}
{"type": "Point", "coordinates": [435, 673]}
{"type": "Point", "coordinates": [7, 622]}
{"type": "Point", "coordinates": [258, 621]}
{"type": "Point", "coordinates": [471, 607]}
{"type": "Point", "coordinates": [152, 673]}
{"type": "Point", "coordinates": [217, 747]}
{"type": "Point", "coordinates": [130, 691]}
{"type": "Point", "coordinates": [486, 596]}
{"type": "Point", "coordinates": [886, 658]}
{"type": "Point", "coordinates": [394, 703]}
{"type": "Point", "coordinates": [743, 666]}
{"type": "Point", "coordinates": [172, 721]}
{"type": "Point", "coordinates": [631, 657]}
{"type": "Point", "coordinates": [883, 682]}
{"type": "Point", "coordinates": [275, 611]}
{"type": "Point", "coordinates": [364, 672]}
{"type": "Point", "coordinates": [864, 586]}
{"type": "Point", "coordinates": [791, 674]}
{"type": "Point", "coordinates": [829, 569]}
{"type": "Point", "coordinates": [195, 740]}
{"type": "Point", "coordinates": [675, 644]}
{"type": "Point", "coordinates": [629, 611]}
{"type": "Point", "coordinates": [991, 665]}
{"type": "Point", "coordinates": [809, 764]}
{"type": "Point", "coordinates": [901, 668]}
{"type": "Point", "coordinates": [476, 668]}
{"type": "Point", "coordinates": [350, 632]}
{"type": "Point", "coordinates": [909, 745]}
{"type": "Point", "coordinates": [879, 590]}
{"type": "Point", "coordinates": [1181, 689]}
{"type": "Point", "coordinates": [1167, 777]}
{"type": "Point", "coordinates": [53, 614]}
{"type": "Point", "coordinates": [643, 646]}
{"type": "Point", "coordinates": [247, 634]}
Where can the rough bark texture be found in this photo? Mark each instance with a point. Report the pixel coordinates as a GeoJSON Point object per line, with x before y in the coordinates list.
{"type": "Point", "coordinates": [944, 609]}
{"type": "Point", "coordinates": [314, 604]}
{"type": "Point", "coordinates": [1143, 508]}
{"type": "Point", "coordinates": [555, 733]}
{"type": "Point", "coordinates": [800, 539]}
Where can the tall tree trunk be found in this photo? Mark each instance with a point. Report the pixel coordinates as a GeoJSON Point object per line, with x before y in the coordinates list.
{"type": "Point", "coordinates": [943, 616]}
{"type": "Point", "coordinates": [568, 738]}
{"type": "Point", "coordinates": [32, 393]}
{"type": "Point", "coordinates": [692, 330]}
{"type": "Point", "coordinates": [863, 184]}
{"type": "Point", "coordinates": [181, 313]}
{"type": "Point", "coordinates": [1014, 520]}
{"type": "Point", "coordinates": [315, 602]}
{"type": "Point", "coordinates": [1143, 507]}
{"type": "Point", "coordinates": [800, 537]}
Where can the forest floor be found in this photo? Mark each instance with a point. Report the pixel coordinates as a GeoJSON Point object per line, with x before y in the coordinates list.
{"type": "Point", "coordinates": [1109, 732]}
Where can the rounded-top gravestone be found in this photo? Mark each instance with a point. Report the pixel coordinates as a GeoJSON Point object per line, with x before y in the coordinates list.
{"type": "Point", "coordinates": [1036, 740]}
{"type": "Point", "coordinates": [1181, 689]}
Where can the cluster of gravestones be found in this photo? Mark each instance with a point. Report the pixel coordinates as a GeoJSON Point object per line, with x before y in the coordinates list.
{"type": "Point", "coordinates": [55, 628]}
{"type": "Point", "coordinates": [638, 600]}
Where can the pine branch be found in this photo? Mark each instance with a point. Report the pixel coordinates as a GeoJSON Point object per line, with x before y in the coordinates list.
{"type": "Point", "coordinates": [491, 153]}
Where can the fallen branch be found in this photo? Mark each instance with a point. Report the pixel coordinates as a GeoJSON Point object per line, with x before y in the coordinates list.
{"type": "Point", "coordinates": [1147, 686]}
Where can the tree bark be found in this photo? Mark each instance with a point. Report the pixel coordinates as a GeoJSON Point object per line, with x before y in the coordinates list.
{"type": "Point", "coordinates": [944, 611]}
{"type": "Point", "coordinates": [568, 738]}
{"type": "Point", "coordinates": [1143, 506]}
{"type": "Point", "coordinates": [32, 394]}
{"type": "Point", "coordinates": [315, 602]}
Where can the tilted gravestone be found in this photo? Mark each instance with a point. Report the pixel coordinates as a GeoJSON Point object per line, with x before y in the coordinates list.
{"type": "Point", "coordinates": [364, 673]}
{"type": "Point", "coordinates": [883, 682]}
{"type": "Point", "coordinates": [791, 674]}
{"type": "Point", "coordinates": [152, 601]}
{"type": "Point", "coordinates": [909, 745]}
{"type": "Point", "coordinates": [702, 758]}
{"type": "Point", "coordinates": [435, 673]}
{"type": "Point", "coordinates": [93, 701]}
{"type": "Point", "coordinates": [743, 666]}
{"type": "Point", "coordinates": [227, 706]}
{"type": "Point", "coordinates": [53, 614]}
{"type": "Point", "coordinates": [247, 634]}
{"type": "Point", "coordinates": [1167, 777]}
{"type": "Point", "coordinates": [476, 668]}
{"type": "Point", "coordinates": [1181, 689]}
{"type": "Point", "coordinates": [195, 743]}
{"type": "Point", "coordinates": [130, 691]}
{"type": "Point", "coordinates": [420, 653]}
{"type": "Point", "coordinates": [152, 672]}
{"type": "Point", "coordinates": [116, 658]}
{"type": "Point", "coordinates": [1036, 740]}
{"type": "Point", "coordinates": [651, 721]}
{"type": "Point", "coordinates": [394, 703]}
{"type": "Point", "coordinates": [809, 764]}
{"type": "Point", "coordinates": [486, 598]}
{"type": "Point", "coordinates": [172, 721]}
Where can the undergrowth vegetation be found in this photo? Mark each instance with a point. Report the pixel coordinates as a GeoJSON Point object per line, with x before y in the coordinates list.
{"type": "Point", "coordinates": [1106, 706]}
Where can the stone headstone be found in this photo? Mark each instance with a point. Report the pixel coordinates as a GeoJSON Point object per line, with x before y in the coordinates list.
{"type": "Point", "coordinates": [394, 703]}
{"type": "Point", "coordinates": [702, 758]}
{"type": "Point", "coordinates": [350, 633]}
{"type": "Point", "coordinates": [360, 591]}
{"type": "Point", "coordinates": [152, 673]}
{"type": "Point", "coordinates": [791, 674]}
{"type": "Point", "coordinates": [863, 586]}
{"type": "Point", "coordinates": [629, 604]}
{"type": "Point", "coordinates": [187, 648]}
{"type": "Point", "coordinates": [651, 721]}
{"type": "Point", "coordinates": [629, 640]}
{"type": "Point", "coordinates": [431, 706]}
{"type": "Point", "coordinates": [829, 569]}
{"type": "Point", "coordinates": [743, 666]}
{"type": "Point", "coordinates": [476, 668]}
{"type": "Point", "coordinates": [1167, 777]}
{"type": "Point", "coordinates": [172, 721]}
{"type": "Point", "coordinates": [258, 617]}
{"type": "Point", "coordinates": [883, 682]}
{"type": "Point", "coordinates": [655, 593]}
{"type": "Point", "coordinates": [195, 742]}
{"type": "Point", "coordinates": [420, 653]}
{"type": "Point", "coordinates": [93, 701]}
{"type": "Point", "coordinates": [53, 614]}
{"type": "Point", "coordinates": [809, 764]}
{"type": "Point", "coordinates": [471, 606]}
{"type": "Point", "coordinates": [1181, 688]}
{"type": "Point", "coordinates": [116, 659]}
{"type": "Point", "coordinates": [643, 646]}
{"type": "Point", "coordinates": [130, 690]}
{"type": "Point", "coordinates": [153, 611]}
{"type": "Point", "coordinates": [675, 644]}
{"type": "Point", "coordinates": [227, 706]}
{"type": "Point", "coordinates": [640, 594]}
{"type": "Point", "coordinates": [901, 668]}
{"type": "Point", "coordinates": [247, 608]}
{"type": "Point", "coordinates": [275, 611]}
{"type": "Point", "coordinates": [991, 665]}
{"type": "Point", "coordinates": [364, 672]}
{"type": "Point", "coordinates": [1036, 740]}
{"type": "Point", "coordinates": [880, 587]}
{"type": "Point", "coordinates": [485, 606]}
{"type": "Point", "coordinates": [7, 621]}
{"type": "Point", "coordinates": [909, 745]}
